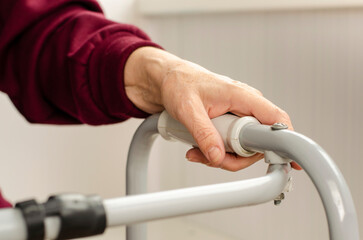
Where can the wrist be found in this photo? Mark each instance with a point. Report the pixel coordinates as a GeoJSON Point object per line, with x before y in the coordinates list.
{"type": "Point", "coordinates": [145, 71]}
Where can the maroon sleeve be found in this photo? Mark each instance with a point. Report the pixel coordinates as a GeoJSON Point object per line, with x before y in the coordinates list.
{"type": "Point", "coordinates": [62, 62]}
{"type": "Point", "coordinates": [3, 202]}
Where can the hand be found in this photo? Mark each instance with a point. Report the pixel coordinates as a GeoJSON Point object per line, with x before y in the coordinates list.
{"type": "Point", "coordinates": [156, 80]}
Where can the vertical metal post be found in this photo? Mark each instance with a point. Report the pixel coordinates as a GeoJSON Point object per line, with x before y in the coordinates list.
{"type": "Point", "coordinates": [136, 169]}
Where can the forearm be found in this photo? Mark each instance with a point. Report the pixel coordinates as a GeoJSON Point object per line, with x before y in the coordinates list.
{"type": "Point", "coordinates": [64, 62]}
{"type": "Point", "coordinates": [145, 72]}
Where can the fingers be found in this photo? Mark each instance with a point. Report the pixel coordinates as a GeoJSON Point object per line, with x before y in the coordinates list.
{"type": "Point", "coordinates": [195, 155]}
{"type": "Point", "coordinates": [253, 103]}
{"type": "Point", "coordinates": [196, 120]}
{"type": "Point", "coordinates": [231, 162]}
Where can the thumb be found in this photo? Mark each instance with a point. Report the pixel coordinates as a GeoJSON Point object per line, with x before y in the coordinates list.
{"type": "Point", "coordinates": [209, 141]}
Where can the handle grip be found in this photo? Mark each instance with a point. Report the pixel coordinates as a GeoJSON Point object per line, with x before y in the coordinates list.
{"type": "Point", "coordinates": [229, 127]}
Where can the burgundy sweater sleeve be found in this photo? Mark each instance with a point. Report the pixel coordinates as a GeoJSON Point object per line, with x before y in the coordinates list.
{"type": "Point", "coordinates": [3, 202]}
{"type": "Point", "coordinates": [62, 62]}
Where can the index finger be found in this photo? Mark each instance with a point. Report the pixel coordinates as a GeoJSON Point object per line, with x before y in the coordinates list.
{"type": "Point", "coordinates": [253, 104]}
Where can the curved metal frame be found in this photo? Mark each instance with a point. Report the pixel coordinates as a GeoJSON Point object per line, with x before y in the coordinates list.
{"type": "Point", "coordinates": [333, 190]}
{"type": "Point", "coordinates": [327, 178]}
{"type": "Point", "coordinates": [136, 168]}
{"type": "Point", "coordinates": [330, 183]}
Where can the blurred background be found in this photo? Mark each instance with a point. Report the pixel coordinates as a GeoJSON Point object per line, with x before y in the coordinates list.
{"type": "Point", "coordinates": [306, 59]}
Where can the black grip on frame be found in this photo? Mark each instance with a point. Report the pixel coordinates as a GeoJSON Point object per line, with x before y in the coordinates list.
{"type": "Point", "coordinates": [34, 215]}
{"type": "Point", "coordinates": [81, 216]}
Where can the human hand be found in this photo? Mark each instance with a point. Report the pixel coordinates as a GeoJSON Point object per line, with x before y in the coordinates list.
{"type": "Point", "coordinates": [156, 80]}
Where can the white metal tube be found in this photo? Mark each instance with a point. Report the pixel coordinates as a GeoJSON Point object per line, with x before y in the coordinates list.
{"type": "Point", "coordinates": [12, 225]}
{"type": "Point", "coordinates": [152, 206]}
{"type": "Point", "coordinates": [136, 169]}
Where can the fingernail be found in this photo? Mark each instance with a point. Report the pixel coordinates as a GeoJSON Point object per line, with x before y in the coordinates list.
{"type": "Point", "coordinates": [190, 159]}
{"type": "Point", "coordinates": [214, 154]}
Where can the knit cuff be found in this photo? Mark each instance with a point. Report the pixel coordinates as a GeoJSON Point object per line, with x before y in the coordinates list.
{"type": "Point", "coordinates": [107, 67]}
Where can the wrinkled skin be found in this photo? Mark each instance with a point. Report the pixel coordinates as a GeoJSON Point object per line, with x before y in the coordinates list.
{"type": "Point", "coordinates": [156, 80]}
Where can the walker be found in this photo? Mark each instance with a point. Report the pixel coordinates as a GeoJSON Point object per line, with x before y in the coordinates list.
{"type": "Point", "coordinates": [68, 216]}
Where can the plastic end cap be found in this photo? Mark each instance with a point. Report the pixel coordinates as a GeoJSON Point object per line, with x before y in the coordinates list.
{"type": "Point", "coordinates": [235, 131]}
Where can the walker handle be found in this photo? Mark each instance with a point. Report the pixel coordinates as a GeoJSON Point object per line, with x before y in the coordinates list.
{"type": "Point", "coordinates": [229, 127]}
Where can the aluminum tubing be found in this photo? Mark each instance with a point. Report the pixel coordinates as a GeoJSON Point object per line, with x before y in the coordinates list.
{"type": "Point", "coordinates": [152, 206]}
{"type": "Point", "coordinates": [136, 168]}
{"type": "Point", "coordinates": [328, 180]}
{"type": "Point", "coordinates": [13, 227]}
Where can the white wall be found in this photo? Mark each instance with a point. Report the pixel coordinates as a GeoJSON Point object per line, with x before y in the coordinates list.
{"type": "Point", "coordinates": [308, 62]}
{"type": "Point", "coordinates": [172, 7]}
